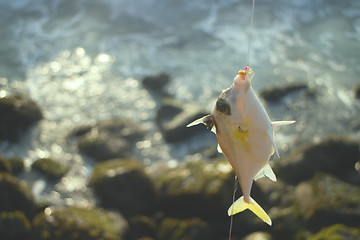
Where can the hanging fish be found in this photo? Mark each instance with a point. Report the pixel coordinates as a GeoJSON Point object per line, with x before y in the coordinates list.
{"type": "Point", "coordinates": [246, 138]}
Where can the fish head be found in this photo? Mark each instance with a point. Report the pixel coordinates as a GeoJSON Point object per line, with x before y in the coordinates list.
{"type": "Point", "coordinates": [230, 100]}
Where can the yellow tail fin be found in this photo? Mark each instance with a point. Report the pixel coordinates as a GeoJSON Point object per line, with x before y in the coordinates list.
{"type": "Point", "coordinates": [240, 205]}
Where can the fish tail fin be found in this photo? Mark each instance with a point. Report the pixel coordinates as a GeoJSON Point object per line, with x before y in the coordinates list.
{"type": "Point", "coordinates": [240, 205]}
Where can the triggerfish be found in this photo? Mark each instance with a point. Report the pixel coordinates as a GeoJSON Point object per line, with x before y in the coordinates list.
{"type": "Point", "coordinates": [245, 136]}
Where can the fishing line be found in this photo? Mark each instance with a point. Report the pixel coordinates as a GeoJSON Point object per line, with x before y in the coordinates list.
{"type": "Point", "coordinates": [250, 32]}
{"type": "Point", "coordinates": [232, 209]}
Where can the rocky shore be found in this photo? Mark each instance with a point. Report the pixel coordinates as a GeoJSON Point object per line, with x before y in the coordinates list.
{"type": "Point", "coordinates": [317, 195]}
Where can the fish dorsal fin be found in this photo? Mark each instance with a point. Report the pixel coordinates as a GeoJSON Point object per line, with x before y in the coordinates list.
{"type": "Point", "coordinates": [219, 149]}
{"type": "Point", "coordinates": [266, 172]}
{"type": "Point", "coordinates": [281, 123]}
{"type": "Point", "coordinates": [271, 137]}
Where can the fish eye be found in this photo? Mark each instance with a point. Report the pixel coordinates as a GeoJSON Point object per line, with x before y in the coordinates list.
{"type": "Point", "coordinates": [222, 106]}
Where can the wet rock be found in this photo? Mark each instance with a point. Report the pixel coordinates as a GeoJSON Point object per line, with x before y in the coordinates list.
{"type": "Point", "coordinates": [5, 166]}
{"type": "Point", "coordinates": [156, 83]}
{"type": "Point", "coordinates": [108, 139]}
{"type": "Point", "coordinates": [277, 93]}
{"type": "Point", "coordinates": [286, 221]}
{"type": "Point", "coordinates": [357, 91]}
{"type": "Point", "coordinates": [173, 116]}
{"type": "Point", "coordinates": [17, 113]}
{"type": "Point", "coordinates": [123, 185]}
{"type": "Point", "coordinates": [258, 236]}
{"type": "Point", "coordinates": [335, 155]}
{"type": "Point", "coordinates": [337, 231]}
{"type": "Point", "coordinates": [326, 200]}
{"type": "Point", "coordinates": [190, 229]}
{"type": "Point", "coordinates": [50, 168]}
{"type": "Point", "coordinates": [58, 223]}
{"type": "Point", "coordinates": [17, 165]}
{"type": "Point", "coordinates": [195, 188]}
{"type": "Point", "coordinates": [16, 195]}
{"type": "Point", "coordinates": [14, 226]}
{"type": "Point", "coordinates": [142, 227]}
{"type": "Point", "coordinates": [12, 165]}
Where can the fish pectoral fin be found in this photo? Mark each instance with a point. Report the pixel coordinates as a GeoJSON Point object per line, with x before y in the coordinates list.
{"type": "Point", "coordinates": [240, 205]}
{"type": "Point", "coordinates": [271, 137]}
{"type": "Point", "coordinates": [207, 120]}
{"type": "Point", "coordinates": [266, 172]}
{"type": "Point", "coordinates": [281, 123]}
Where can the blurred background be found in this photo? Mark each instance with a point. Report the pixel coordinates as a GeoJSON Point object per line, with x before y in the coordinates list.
{"type": "Point", "coordinates": [85, 81]}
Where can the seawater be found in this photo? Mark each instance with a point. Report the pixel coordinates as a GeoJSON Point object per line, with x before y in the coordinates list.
{"type": "Point", "coordinates": [82, 61]}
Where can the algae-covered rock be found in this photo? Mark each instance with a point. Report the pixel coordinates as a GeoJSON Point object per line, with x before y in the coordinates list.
{"type": "Point", "coordinates": [74, 223]}
{"type": "Point", "coordinates": [17, 164]}
{"type": "Point", "coordinates": [17, 113]}
{"type": "Point", "coordinates": [142, 227]}
{"type": "Point", "coordinates": [14, 226]}
{"type": "Point", "coordinates": [258, 236]}
{"type": "Point", "coordinates": [173, 116]}
{"type": "Point", "coordinates": [337, 232]}
{"type": "Point", "coordinates": [122, 184]}
{"type": "Point", "coordinates": [50, 168]}
{"type": "Point", "coordinates": [277, 93]}
{"type": "Point", "coordinates": [108, 139]}
{"type": "Point", "coordinates": [326, 200]}
{"type": "Point", "coordinates": [188, 229]}
{"type": "Point", "coordinates": [5, 166]}
{"type": "Point", "coordinates": [16, 195]}
{"type": "Point", "coordinates": [335, 155]}
{"type": "Point", "coordinates": [195, 188]}
{"type": "Point", "coordinates": [12, 165]}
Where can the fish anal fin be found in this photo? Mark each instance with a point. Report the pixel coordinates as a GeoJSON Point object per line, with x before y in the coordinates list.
{"type": "Point", "coordinates": [219, 149]}
{"type": "Point", "coordinates": [266, 172]}
{"type": "Point", "coordinates": [281, 123]}
{"type": "Point", "coordinates": [240, 205]}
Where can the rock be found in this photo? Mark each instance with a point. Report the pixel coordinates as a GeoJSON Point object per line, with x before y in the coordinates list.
{"type": "Point", "coordinates": [156, 83]}
{"type": "Point", "coordinates": [14, 226]}
{"type": "Point", "coordinates": [357, 91]}
{"type": "Point", "coordinates": [189, 229]}
{"type": "Point", "coordinates": [5, 166]}
{"type": "Point", "coordinates": [17, 113]}
{"type": "Point", "coordinates": [326, 200]}
{"type": "Point", "coordinates": [17, 164]}
{"type": "Point", "coordinates": [335, 155]}
{"type": "Point", "coordinates": [173, 116]}
{"type": "Point", "coordinates": [196, 189]}
{"type": "Point", "coordinates": [277, 93]}
{"type": "Point", "coordinates": [258, 236]}
{"type": "Point", "coordinates": [74, 223]}
{"type": "Point", "coordinates": [50, 168]}
{"type": "Point", "coordinates": [16, 195]}
{"type": "Point", "coordinates": [123, 185]}
{"type": "Point", "coordinates": [12, 165]}
{"type": "Point", "coordinates": [337, 231]}
{"type": "Point", "coordinates": [108, 139]}
{"type": "Point", "coordinates": [142, 227]}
